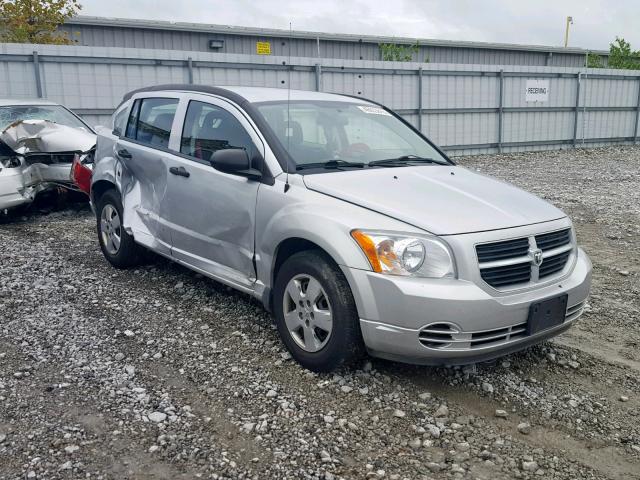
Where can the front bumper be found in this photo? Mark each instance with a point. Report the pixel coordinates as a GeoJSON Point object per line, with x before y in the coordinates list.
{"type": "Point", "coordinates": [395, 311]}
{"type": "Point", "coordinates": [19, 186]}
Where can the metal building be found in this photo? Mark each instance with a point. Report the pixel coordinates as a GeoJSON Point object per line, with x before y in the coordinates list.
{"type": "Point", "coordinates": [466, 109]}
{"type": "Point", "coordinates": [116, 32]}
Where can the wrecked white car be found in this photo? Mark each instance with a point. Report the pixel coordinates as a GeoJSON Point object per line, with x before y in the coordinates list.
{"type": "Point", "coordinates": [38, 143]}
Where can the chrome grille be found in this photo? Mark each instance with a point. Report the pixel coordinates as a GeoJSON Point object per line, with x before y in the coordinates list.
{"type": "Point", "coordinates": [499, 250]}
{"type": "Point", "coordinates": [549, 241]}
{"type": "Point", "coordinates": [512, 263]}
{"type": "Point", "coordinates": [553, 265]}
{"type": "Point", "coordinates": [507, 275]}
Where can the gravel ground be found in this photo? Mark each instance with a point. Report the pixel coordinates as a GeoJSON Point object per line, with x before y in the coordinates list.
{"type": "Point", "coordinates": [159, 373]}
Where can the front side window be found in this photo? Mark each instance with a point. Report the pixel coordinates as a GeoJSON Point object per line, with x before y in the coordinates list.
{"type": "Point", "coordinates": [208, 128]}
{"type": "Point", "coordinates": [53, 113]}
{"type": "Point", "coordinates": [151, 119]}
{"type": "Point", "coordinates": [326, 131]}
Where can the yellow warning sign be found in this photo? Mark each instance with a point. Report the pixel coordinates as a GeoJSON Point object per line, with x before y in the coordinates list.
{"type": "Point", "coordinates": [263, 48]}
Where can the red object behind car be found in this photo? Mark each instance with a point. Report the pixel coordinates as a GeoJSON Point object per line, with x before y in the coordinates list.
{"type": "Point", "coordinates": [81, 171]}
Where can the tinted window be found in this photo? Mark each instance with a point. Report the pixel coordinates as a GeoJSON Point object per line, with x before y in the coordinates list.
{"type": "Point", "coordinates": [150, 120]}
{"type": "Point", "coordinates": [132, 124]}
{"type": "Point", "coordinates": [119, 121]}
{"type": "Point", "coordinates": [208, 128]}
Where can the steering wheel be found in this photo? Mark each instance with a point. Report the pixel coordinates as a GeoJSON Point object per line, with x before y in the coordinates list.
{"type": "Point", "coordinates": [357, 150]}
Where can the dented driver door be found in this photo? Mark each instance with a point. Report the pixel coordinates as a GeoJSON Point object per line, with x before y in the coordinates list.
{"type": "Point", "coordinates": [210, 214]}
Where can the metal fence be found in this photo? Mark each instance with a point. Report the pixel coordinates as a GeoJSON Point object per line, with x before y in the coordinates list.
{"type": "Point", "coordinates": [467, 109]}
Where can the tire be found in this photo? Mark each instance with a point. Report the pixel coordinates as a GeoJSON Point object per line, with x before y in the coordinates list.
{"type": "Point", "coordinates": [124, 253]}
{"type": "Point", "coordinates": [303, 328]}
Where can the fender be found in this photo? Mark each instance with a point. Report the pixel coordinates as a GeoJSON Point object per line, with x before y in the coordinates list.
{"type": "Point", "coordinates": [315, 217]}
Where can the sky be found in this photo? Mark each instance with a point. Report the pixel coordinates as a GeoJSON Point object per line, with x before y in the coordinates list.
{"type": "Point", "coordinates": [539, 22]}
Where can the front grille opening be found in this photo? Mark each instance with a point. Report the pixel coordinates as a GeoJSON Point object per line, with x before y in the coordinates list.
{"type": "Point", "coordinates": [553, 265]}
{"type": "Point", "coordinates": [438, 335]}
{"type": "Point", "coordinates": [549, 241]}
{"type": "Point", "coordinates": [489, 336]}
{"type": "Point", "coordinates": [498, 335]}
{"type": "Point", "coordinates": [507, 263]}
{"type": "Point", "coordinates": [575, 311]}
{"type": "Point", "coordinates": [507, 275]}
{"type": "Point", "coordinates": [502, 250]}
{"type": "Point", "coordinates": [445, 336]}
{"type": "Point", "coordinates": [49, 158]}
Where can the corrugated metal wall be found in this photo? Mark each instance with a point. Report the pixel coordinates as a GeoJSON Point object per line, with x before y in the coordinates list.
{"type": "Point", "coordinates": [168, 39]}
{"type": "Point", "coordinates": [467, 109]}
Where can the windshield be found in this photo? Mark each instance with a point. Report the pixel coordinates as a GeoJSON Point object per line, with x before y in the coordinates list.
{"type": "Point", "coordinates": [322, 132]}
{"type": "Point", "coordinates": [53, 113]}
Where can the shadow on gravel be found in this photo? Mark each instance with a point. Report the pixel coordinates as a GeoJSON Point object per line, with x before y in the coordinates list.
{"type": "Point", "coordinates": [67, 202]}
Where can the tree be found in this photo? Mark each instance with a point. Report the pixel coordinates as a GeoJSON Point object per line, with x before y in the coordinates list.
{"type": "Point", "coordinates": [621, 55]}
{"type": "Point", "coordinates": [394, 52]}
{"type": "Point", "coordinates": [594, 60]}
{"type": "Point", "coordinates": [36, 21]}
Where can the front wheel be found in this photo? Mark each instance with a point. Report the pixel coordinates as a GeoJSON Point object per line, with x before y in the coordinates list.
{"type": "Point", "coordinates": [116, 244]}
{"type": "Point", "coordinates": [315, 312]}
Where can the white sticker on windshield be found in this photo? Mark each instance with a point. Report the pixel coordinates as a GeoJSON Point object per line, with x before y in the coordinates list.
{"type": "Point", "coordinates": [373, 110]}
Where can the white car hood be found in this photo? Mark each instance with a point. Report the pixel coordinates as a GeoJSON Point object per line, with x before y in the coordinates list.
{"type": "Point", "coordinates": [444, 200]}
{"type": "Point", "coordinates": [27, 136]}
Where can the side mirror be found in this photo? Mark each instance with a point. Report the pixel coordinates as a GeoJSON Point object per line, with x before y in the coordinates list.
{"type": "Point", "coordinates": [234, 161]}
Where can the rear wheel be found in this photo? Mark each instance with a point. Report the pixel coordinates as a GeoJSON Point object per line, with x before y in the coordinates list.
{"type": "Point", "coordinates": [116, 244]}
{"type": "Point", "coordinates": [315, 312]}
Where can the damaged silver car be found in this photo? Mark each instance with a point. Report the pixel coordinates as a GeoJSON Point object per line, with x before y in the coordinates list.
{"type": "Point", "coordinates": [38, 143]}
{"type": "Point", "coordinates": [352, 227]}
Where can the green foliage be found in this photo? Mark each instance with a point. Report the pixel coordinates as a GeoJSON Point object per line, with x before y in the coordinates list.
{"type": "Point", "coordinates": [594, 60]}
{"type": "Point", "coordinates": [393, 52]}
{"type": "Point", "coordinates": [621, 55]}
{"type": "Point", "coordinates": [36, 21]}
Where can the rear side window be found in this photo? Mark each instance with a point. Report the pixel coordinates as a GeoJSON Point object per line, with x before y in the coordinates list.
{"type": "Point", "coordinates": [150, 121]}
{"type": "Point", "coordinates": [120, 121]}
{"type": "Point", "coordinates": [208, 128]}
{"type": "Point", "coordinates": [132, 123]}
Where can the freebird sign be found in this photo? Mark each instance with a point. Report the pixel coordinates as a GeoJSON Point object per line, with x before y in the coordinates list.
{"type": "Point", "coordinates": [537, 91]}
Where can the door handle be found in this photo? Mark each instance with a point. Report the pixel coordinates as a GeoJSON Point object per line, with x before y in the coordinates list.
{"type": "Point", "coordinates": [124, 153]}
{"type": "Point", "coordinates": [180, 171]}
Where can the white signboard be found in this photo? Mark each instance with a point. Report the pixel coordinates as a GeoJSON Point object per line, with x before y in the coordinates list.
{"type": "Point", "coordinates": [537, 91]}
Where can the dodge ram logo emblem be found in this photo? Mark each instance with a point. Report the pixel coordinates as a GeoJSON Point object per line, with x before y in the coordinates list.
{"type": "Point", "coordinates": [536, 257]}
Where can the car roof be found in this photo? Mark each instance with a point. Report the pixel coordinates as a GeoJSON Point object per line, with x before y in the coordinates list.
{"type": "Point", "coordinates": [4, 102]}
{"type": "Point", "coordinates": [242, 94]}
{"type": "Point", "coordinates": [269, 94]}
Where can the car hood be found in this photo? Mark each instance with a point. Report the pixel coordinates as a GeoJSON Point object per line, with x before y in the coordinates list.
{"type": "Point", "coordinates": [444, 200]}
{"type": "Point", "coordinates": [29, 136]}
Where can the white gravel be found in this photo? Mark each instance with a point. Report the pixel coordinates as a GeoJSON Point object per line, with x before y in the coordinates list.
{"type": "Point", "coordinates": [160, 373]}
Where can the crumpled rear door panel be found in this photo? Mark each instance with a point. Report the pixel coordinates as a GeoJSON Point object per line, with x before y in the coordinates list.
{"type": "Point", "coordinates": [144, 184]}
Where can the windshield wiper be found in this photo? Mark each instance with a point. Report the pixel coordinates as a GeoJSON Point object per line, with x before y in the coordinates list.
{"type": "Point", "coordinates": [330, 164]}
{"type": "Point", "coordinates": [403, 161]}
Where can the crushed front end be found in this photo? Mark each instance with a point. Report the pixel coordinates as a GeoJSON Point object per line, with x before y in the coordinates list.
{"type": "Point", "coordinates": [37, 155]}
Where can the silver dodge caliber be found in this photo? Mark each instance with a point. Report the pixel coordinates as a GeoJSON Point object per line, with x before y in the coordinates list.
{"type": "Point", "coordinates": [356, 231]}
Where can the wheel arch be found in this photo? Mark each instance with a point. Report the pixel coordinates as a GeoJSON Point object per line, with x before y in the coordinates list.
{"type": "Point", "coordinates": [284, 250]}
{"type": "Point", "coordinates": [99, 188]}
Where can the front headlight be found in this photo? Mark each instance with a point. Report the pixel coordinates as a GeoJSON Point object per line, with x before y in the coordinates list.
{"type": "Point", "coordinates": [10, 162]}
{"type": "Point", "coordinates": [403, 254]}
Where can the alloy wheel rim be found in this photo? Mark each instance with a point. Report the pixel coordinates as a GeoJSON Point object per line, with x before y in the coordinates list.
{"type": "Point", "coordinates": [307, 313]}
{"type": "Point", "coordinates": [110, 229]}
